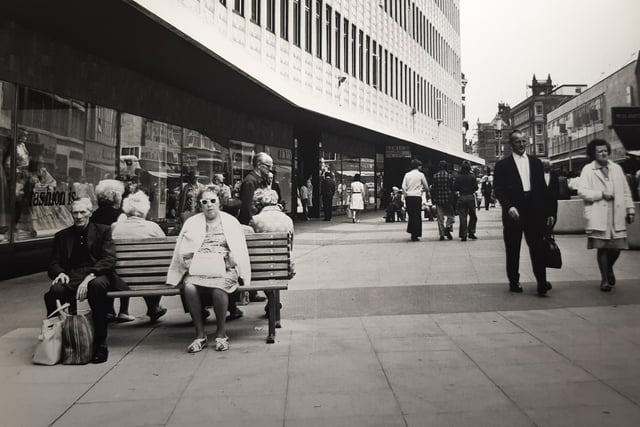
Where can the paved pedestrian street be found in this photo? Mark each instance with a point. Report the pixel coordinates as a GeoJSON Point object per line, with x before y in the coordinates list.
{"type": "Point", "coordinates": [377, 331]}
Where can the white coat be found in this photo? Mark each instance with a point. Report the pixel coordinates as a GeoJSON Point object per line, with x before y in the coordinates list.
{"type": "Point", "coordinates": [592, 184]}
{"type": "Point", "coordinates": [191, 237]}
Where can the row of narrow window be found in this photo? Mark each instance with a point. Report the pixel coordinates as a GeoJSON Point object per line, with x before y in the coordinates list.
{"type": "Point", "coordinates": [369, 61]}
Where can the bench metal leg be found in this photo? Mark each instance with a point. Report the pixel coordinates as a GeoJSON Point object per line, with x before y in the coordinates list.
{"type": "Point", "coordinates": [271, 338]}
{"type": "Point", "coordinates": [277, 304]}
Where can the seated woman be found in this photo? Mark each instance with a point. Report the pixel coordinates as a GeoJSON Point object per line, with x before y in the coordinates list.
{"type": "Point", "coordinates": [135, 226]}
{"type": "Point", "coordinates": [270, 218]}
{"type": "Point", "coordinates": [109, 194]}
{"type": "Point", "coordinates": [210, 255]}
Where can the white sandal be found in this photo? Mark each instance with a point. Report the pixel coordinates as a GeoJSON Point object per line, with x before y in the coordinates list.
{"type": "Point", "coordinates": [222, 344]}
{"type": "Point", "coordinates": [197, 345]}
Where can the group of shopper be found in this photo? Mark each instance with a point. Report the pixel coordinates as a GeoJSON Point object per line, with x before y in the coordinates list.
{"type": "Point", "coordinates": [209, 263]}
{"type": "Point", "coordinates": [528, 192]}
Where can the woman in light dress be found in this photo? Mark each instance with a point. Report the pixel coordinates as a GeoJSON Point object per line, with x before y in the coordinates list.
{"type": "Point", "coordinates": [210, 256]}
{"type": "Point", "coordinates": [357, 198]}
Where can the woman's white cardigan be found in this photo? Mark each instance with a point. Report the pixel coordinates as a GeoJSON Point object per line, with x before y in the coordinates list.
{"type": "Point", "coordinates": [591, 186]}
{"type": "Point", "coordinates": [191, 238]}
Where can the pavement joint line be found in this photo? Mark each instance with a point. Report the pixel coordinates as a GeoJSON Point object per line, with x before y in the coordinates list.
{"type": "Point", "coordinates": [515, 403]}
{"type": "Point", "coordinates": [384, 372]}
{"type": "Point", "coordinates": [574, 363]}
{"type": "Point", "coordinates": [286, 391]}
{"type": "Point", "coordinates": [77, 401]}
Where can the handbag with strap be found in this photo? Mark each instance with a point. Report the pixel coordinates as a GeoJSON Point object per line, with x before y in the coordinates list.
{"type": "Point", "coordinates": [77, 339]}
{"type": "Point", "coordinates": [553, 257]}
{"type": "Point", "coordinates": [48, 351]}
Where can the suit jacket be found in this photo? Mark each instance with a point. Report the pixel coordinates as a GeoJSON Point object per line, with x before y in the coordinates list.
{"type": "Point", "coordinates": [554, 194]}
{"type": "Point", "coordinates": [249, 185]}
{"type": "Point", "coordinates": [102, 250]}
{"type": "Point", "coordinates": [507, 187]}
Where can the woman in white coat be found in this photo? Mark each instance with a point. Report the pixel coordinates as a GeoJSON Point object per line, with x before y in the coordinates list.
{"type": "Point", "coordinates": [210, 255]}
{"type": "Point", "coordinates": [608, 208]}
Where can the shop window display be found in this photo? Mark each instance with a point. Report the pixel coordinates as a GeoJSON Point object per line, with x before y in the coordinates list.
{"type": "Point", "coordinates": [150, 162]}
{"type": "Point", "coordinates": [7, 99]}
{"type": "Point", "coordinates": [64, 147]}
{"type": "Point", "coordinates": [331, 162]}
{"type": "Point", "coordinates": [282, 171]}
{"type": "Point", "coordinates": [240, 153]}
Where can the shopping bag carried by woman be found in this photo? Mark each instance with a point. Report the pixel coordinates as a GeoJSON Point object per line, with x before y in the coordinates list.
{"type": "Point", "coordinates": [49, 348]}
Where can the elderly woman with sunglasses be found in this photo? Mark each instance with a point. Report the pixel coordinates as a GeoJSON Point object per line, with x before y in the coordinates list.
{"type": "Point", "coordinates": [210, 256]}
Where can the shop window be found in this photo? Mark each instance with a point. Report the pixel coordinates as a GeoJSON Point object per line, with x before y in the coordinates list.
{"type": "Point", "coordinates": [7, 100]}
{"type": "Point", "coordinates": [332, 163]}
{"type": "Point", "coordinates": [240, 154]}
{"type": "Point", "coordinates": [282, 172]}
{"type": "Point", "coordinates": [204, 160]}
{"type": "Point", "coordinates": [157, 168]}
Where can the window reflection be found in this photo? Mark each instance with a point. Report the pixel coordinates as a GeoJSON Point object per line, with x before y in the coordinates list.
{"type": "Point", "coordinates": [7, 97]}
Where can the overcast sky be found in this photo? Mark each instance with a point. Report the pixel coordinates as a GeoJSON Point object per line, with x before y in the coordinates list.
{"type": "Point", "coordinates": [505, 42]}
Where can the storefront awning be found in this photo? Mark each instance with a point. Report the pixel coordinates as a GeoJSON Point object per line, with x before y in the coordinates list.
{"type": "Point", "coordinates": [164, 175]}
{"type": "Point", "coordinates": [565, 157]}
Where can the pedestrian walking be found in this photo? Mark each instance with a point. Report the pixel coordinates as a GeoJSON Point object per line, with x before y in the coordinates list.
{"type": "Point", "coordinates": [466, 184]}
{"type": "Point", "coordinates": [487, 193]}
{"type": "Point", "coordinates": [356, 204]}
{"type": "Point", "coordinates": [520, 187]}
{"type": "Point", "coordinates": [608, 208]}
{"type": "Point", "coordinates": [414, 184]}
{"type": "Point", "coordinates": [442, 192]}
{"type": "Point", "coordinates": [327, 190]}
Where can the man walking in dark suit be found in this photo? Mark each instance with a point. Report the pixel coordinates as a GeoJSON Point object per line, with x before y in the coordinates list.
{"type": "Point", "coordinates": [521, 189]}
{"type": "Point", "coordinates": [82, 266]}
{"type": "Point", "coordinates": [327, 190]}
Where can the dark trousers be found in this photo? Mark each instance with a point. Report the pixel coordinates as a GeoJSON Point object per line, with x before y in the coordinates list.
{"type": "Point", "coordinates": [467, 208]}
{"type": "Point", "coordinates": [327, 200]}
{"type": "Point", "coordinates": [98, 301]}
{"type": "Point", "coordinates": [414, 209]}
{"type": "Point", "coordinates": [533, 229]}
{"type": "Point", "coordinates": [487, 201]}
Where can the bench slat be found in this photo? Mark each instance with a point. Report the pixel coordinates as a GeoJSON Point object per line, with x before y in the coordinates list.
{"type": "Point", "coordinates": [140, 271]}
{"type": "Point", "coordinates": [143, 262]}
{"type": "Point", "coordinates": [269, 251]}
{"type": "Point", "coordinates": [266, 236]}
{"type": "Point", "coordinates": [272, 266]}
{"type": "Point", "coordinates": [145, 254]}
{"type": "Point", "coordinates": [268, 244]}
{"type": "Point", "coordinates": [274, 274]}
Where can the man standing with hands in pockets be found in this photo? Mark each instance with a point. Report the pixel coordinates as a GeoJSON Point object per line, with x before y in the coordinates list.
{"type": "Point", "coordinates": [520, 187]}
{"type": "Point", "coordinates": [413, 185]}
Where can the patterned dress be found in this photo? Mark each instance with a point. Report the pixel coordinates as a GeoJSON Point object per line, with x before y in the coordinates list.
{"type": "Point", "coordinates": [215, 241]}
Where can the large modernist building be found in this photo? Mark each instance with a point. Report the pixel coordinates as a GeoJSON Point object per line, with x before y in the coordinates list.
{"type": "Point", "coordinates": [150, 91]}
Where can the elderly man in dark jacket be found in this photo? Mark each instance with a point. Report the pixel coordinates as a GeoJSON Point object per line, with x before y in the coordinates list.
{"type": "Point", "coordinates": [82, 266]}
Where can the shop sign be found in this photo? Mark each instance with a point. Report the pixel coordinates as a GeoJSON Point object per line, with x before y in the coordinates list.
{"type": "Point", "coordinates": [626, 123]}
{"type": "Point", "coordinates": [397, 152]}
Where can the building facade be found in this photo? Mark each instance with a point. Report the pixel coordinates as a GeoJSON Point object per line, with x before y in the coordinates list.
{"type": "Point", "coordinates": [530, 115]}
{"type": "Point", "coordinates": [493, 137]}
{"type": "Point", "coordinates": [152, 91]}
{"type": "Point", "coordinates": [588, 116]}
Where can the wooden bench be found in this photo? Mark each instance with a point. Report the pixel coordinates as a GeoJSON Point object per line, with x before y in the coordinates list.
{"type": "Point", "coordinates": [143, 265]}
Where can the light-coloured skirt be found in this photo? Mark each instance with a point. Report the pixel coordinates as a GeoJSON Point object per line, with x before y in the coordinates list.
{"type": "Point", "coordinates": [357, 202]}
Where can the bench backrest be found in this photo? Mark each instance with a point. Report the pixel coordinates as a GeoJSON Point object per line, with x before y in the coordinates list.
{"type": "Point", "coordinates": [146, 261]}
